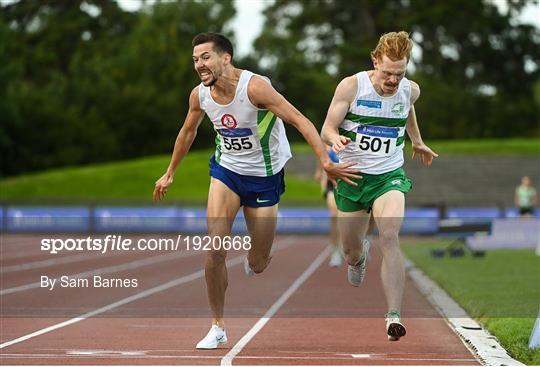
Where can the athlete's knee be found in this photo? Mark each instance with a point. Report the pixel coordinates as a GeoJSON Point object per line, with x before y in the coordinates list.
{"type": "Point", "coordinates": [218, 227]}
{"type": "Point", "coordinates": [389, 239]}
{"type": "Point", "coordinates": [216, 257]}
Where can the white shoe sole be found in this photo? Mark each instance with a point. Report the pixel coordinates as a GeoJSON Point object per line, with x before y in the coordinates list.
{"type": "Point", "coordinates": [335, 261]}
{"type": "Point", "coordinates": [212, 346]}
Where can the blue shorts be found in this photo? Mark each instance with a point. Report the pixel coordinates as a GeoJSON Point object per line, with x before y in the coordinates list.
{"type": "Point", "coordinates": [254, 191]}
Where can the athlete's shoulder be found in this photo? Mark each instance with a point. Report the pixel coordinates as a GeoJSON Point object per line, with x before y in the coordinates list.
{"type": "Point", "coordinates": [415, 91]}
{"type": "Point", "coordinates": [194, 98]}
{"type": "Point", "coordinates": [347, 88]}
{"type": "Point", "coordinates": [258, 81]}
{"type": "Point", "coordinates": [349, 81]}
{"type": "Point", "coordinates": [260, 91]}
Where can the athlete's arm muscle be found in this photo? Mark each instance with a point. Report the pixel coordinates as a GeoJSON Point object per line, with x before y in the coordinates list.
{"type": "Point", "coordinates": [262, 94]}
{"type": "Point", "coordinates": [343, 97]}
{"type": "Point", "coordinates": [419, 148]}
{"type": "Point", "coordinates": [183, 143]}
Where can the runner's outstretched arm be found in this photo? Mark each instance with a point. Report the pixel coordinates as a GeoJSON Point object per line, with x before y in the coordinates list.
{"type": "Point", "coordinates": [262, 94]}
{"type": "Point", "coordinates": [418, 145]}
{"type": "Point", "coordinates": [183, 143]}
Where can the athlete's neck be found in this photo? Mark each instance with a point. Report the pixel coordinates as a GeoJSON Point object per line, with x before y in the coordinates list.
{"type": "Point", "coordinates": [227, 82]}
{"type": "Point", "coordinates": [377, 87]}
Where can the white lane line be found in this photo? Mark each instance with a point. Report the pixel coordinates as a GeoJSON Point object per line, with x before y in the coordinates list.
{"type": "Point", "coordinates": [58, 259]}
{"type": "Point", "coordinates": [173, 283]}
{"type": "Point", "coordinates": [141, 355]}
{"type": "Point", "coordinates": [50, 262]}
{"type": "Point", "coordinates": [6, 256]}
{"type": "Point", "coordinates": [106, 270]}
{"type": "Point", "coordinates": [228, 358]}
{"type": "Point", "coordinates": [146, 293]}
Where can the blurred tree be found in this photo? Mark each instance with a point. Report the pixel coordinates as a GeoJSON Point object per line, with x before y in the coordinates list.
{"type": "Point", "coordinates": [142, 84]}
{"type": "Point", "coordinates": [43, 37]}
{"type": "Point", "coordinates": [475, 78]}
{"type": "Point", "coordinates": [86, 81]}
{"type": "Point", "coordinates": [9, 114]}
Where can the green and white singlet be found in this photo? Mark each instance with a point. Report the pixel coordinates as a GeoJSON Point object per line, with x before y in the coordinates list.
{"type": "Point", "coordinates": [376, 126]}
{"type": "Point", "coordinates": [525, 195]}
{"type": "Point", "coordinates": [250, 141]}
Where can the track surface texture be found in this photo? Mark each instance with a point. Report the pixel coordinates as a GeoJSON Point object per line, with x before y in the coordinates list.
{"type": "Point", "coordinates": [298, 312]}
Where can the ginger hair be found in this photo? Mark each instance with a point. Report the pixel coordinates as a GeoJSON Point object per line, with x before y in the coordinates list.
{"type": "Point", "coordinates": [395, 45]}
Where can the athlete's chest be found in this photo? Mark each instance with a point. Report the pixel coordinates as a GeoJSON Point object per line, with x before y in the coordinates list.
{"type": "Point", "coordinates": [369, 104]}
{"type": "Point", "coordinates": [236, 115]}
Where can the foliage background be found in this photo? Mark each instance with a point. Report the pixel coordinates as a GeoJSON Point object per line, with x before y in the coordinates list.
{"type": "Point", "coordinates": [85, 81]}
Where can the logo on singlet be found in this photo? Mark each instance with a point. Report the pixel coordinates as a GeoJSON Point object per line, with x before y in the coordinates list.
{"type": "Point", "coordinates": [397, 109]}
{"type": "Point", "coordinates": [368, 103]}
{"type": "Point", "coordinates": [228, 121]}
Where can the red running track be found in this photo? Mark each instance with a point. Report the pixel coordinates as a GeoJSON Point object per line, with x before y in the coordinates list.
{"type": "Point", "coordinates": [313, 316]}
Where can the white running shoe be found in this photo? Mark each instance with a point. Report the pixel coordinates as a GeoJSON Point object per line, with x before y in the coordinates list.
{"type": "Point", "coordinates": [215, 337]}
{"type": "Point", "coordinates": [355, 273]}
{"type": "Point", "coordinates": [394, 327]}
{"type": "Point", "coordinates": [336, 259]}
{"type": "Point", "coordinates": [247, 269]}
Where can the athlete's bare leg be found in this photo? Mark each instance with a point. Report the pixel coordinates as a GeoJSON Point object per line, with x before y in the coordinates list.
{"type": "Point", "coordinates": [352, 227]}
{"type": "Point", "coordinates": [223, 204]}
{"type": "Point", "coordinates": [388, 211]}
{"type": "Point", "coordinates": [261, 223]}
{"type": "Point", "coordinates": [332, 208]}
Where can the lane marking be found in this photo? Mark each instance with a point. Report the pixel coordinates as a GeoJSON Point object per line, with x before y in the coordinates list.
{"type": "Point", "coordinates": [105, 353]}
{"type": "Point", "coordinates": [106, 270]}
{"type": "Point", "coordinates": [360, 355]}
{"type": "Point", "coordinates": [144, 355]}
{"type": "Point", "coordinates": [286, 242]}
{"type": "Point", "coordinates": [59, 258]}
{"type": "Point", "coordinates": [50, 262]}
{"type": "Point", "coordinates": [228, 358]}
{"type": "Point", "coordinates": [482, 345]}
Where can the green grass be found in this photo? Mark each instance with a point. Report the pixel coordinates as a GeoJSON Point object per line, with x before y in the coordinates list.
{"type": "Point", "coordinates": [486, 146]}
{"type": "Point", "coordinates": [500, 290]}
{"type": "Point", "coordinates": [131, 181]}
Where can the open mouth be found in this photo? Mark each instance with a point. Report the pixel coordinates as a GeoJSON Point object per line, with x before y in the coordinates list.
{"type": "Point", "coordinates": [205, 75]}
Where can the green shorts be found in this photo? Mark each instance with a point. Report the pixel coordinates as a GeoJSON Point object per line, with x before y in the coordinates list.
{"type": "Point", "coordinates": [370, 187]}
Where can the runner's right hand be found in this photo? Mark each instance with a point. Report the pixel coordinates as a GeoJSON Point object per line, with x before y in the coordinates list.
{"type": "Point", "coordinates": [341, 171]}
{"type": "Point", "coordinates": [161, 186]}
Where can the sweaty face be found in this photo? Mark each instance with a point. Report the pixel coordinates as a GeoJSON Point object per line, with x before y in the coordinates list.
{"type": "Point", "coordinates": [207, 63]}
{"type": "Point", "coordinates": [388, 73]}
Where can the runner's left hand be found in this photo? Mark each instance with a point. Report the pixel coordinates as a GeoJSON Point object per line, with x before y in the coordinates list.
{"type": "Point", "coordinates": [425, 153]}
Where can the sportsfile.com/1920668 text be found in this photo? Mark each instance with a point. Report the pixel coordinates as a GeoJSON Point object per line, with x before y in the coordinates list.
{"type": "Point", "coordinates": [111, 242]}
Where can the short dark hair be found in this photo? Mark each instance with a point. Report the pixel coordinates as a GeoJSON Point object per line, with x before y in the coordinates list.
{"type": "Point", "coordinates": [221, 43]}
